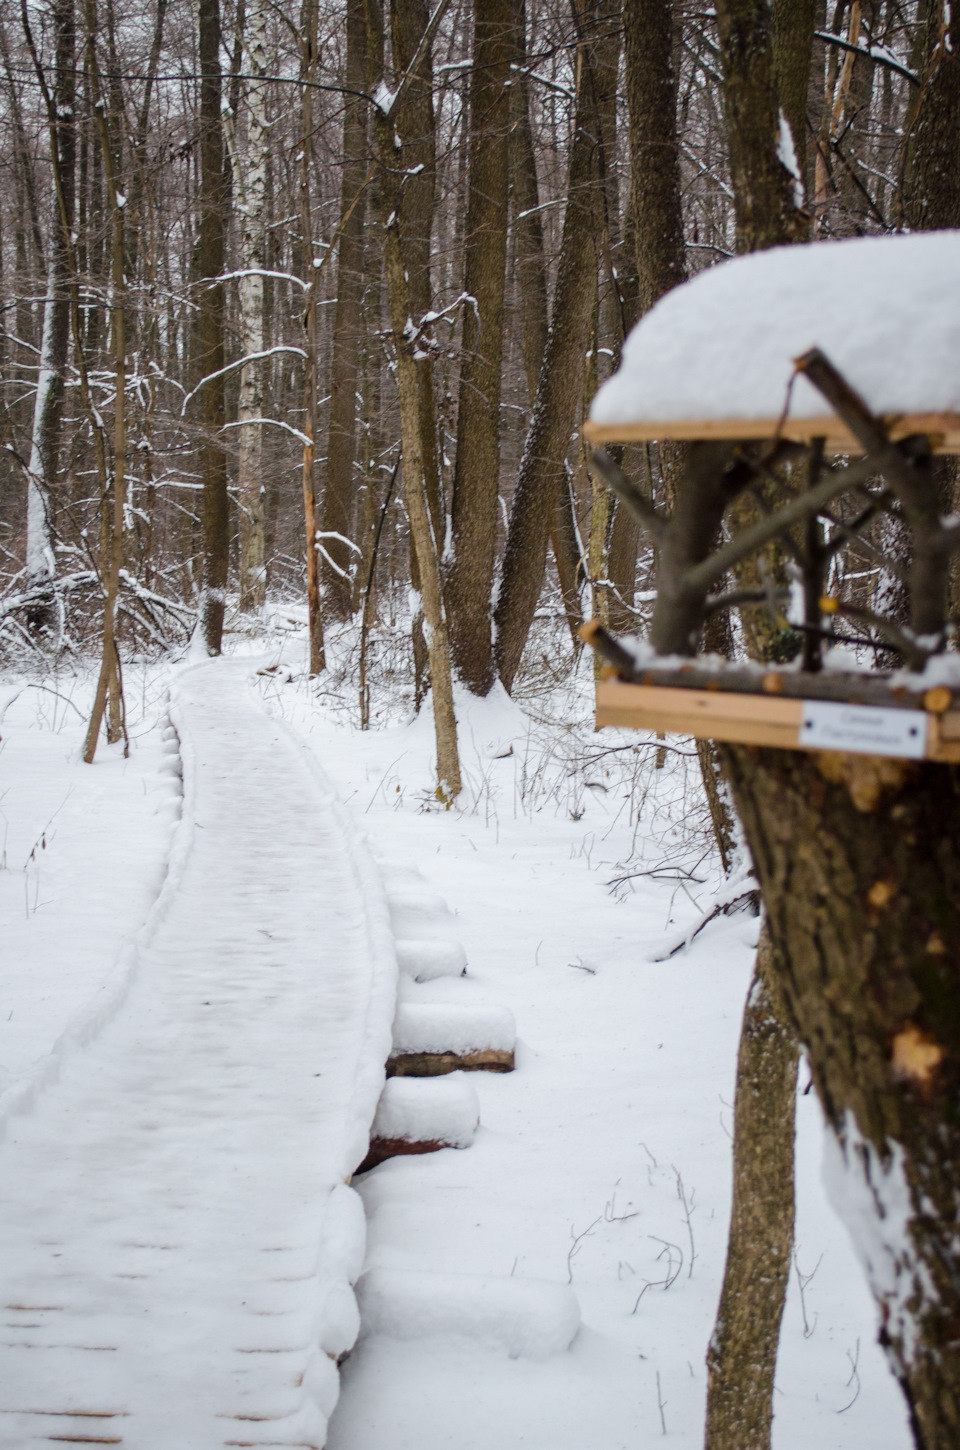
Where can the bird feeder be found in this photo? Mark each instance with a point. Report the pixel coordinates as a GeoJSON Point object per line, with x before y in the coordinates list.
{"type": "Point", "coordinates": [846, 354]}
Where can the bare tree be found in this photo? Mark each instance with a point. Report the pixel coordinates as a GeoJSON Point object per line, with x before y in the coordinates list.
{"type": "Point", "coordinates": [342, 475]}
{"type": "Point", "coordinates": [477, 473]}
{"type": "Point", "coordinates": [250, 187]}
{"type": "Point", "coordinates": [409, 396]}
{"type": "Point", "coordinates": [210, 357]}
{"type": "Point", "coordinates": [560, 386]}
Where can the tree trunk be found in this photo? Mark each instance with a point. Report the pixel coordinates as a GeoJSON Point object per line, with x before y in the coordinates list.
{"type": "Point", "coordinates": [409, 395]}
{"type": "Point", "coordinates": [532, 289]}
{"type": "Point", "coordinates": [251, 188]}
{"type": "Point", "coordinates": [525, 195]}
{"type": "Point", "coordinates": [55, 336]}
{"type": "Point", "coordinates": [767, 169]}
{"type": "Point", "coordinates": [931, 191]}
{"type": "Point", "coordinates": [316, 657]}
{"type": "Point", "coordinates": [342, 482]}
{"type": "Point", "coordinates": [477, 470]}
{"type": "Point", "coordinates": [560, 386]}
{"type": "Point", "coordinates": [109, 692]}
{"type": "Point", "coordinates": [648, 32]}
{"type": "Point", "coordinates": [210, 351]}
{"type": "Point", "coordinates": [931, 188]}
{"type": "Point", "coordinates": [654, 235]}
{"type": "Point", "coordinates": [793, 28]}
{"type": "Point", "coordinates": [768, 196]}
{"type": "Point", "coordinates": [416, 129]}
{"type": "Point", "coordinates": [740, 1394]}
{"type": "Point", "coordinates": [858, 864]}
{"type": "Point", "coordinates": [622, 570]}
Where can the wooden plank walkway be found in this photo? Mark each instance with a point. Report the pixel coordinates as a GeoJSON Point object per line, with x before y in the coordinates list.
{"type": "Point", "coordinates": [171, 1228]}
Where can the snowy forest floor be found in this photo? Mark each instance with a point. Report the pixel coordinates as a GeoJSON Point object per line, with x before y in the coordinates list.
{"type": "Point", "coordinates": [573, 865]}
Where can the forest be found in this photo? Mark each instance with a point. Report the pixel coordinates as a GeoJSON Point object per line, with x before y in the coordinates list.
{"type": "Point", "coordinates": [303, 312]}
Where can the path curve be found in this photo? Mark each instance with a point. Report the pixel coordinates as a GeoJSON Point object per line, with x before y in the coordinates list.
{"type": "Point", "coordinates": [176, 1242]}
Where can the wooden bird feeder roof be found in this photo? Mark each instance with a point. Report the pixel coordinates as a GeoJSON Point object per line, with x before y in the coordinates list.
{"type": "Point", "coordinates": [714, 358]}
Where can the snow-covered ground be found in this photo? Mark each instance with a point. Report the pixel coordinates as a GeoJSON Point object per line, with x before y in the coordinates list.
{"type": "Point", "coordinates": [596, 1189]}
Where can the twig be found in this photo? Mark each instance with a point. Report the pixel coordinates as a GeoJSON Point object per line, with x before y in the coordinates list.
{"type": "Point", "coordinates": [661, 1405]}
{"type": "Point", "coordinates": [575, 1246]}
{"type": "Point", "coordinates": [672, 1273]}
{"type": "Point", "coordinates": [854, 1375]}
{"type": "Point", "coordinates": [802, 1281]}
{"type": "Point", "coordinates": [688, 1211]}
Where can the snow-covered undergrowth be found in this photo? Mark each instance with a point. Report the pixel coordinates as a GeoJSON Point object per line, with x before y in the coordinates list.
{"type": "Point", "coordinates": [83, 856]}
{"type": "Point", "coordinates": [571, 862]}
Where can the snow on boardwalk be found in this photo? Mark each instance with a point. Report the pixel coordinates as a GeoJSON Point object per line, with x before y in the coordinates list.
{"type": "Point", "coordinates": [176, 1243]}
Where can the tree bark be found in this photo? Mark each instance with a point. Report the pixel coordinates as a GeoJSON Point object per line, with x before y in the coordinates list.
{"type": "Point", "coordinates": [931, 186]}
{"type": "Point", "coordinates": [560, 386]}
{"type": "Point", "coordinates": [210, 350]}
{"type": "Point", "coordinates": [316, 660]}
{"type": "Point", "coordinates": [416, 128]}
{"type": "Point", "coordinates": [931, 191]}
{"type": "Point", "coordinates": [409, 395]}
{"type": "Point", "coordinates": [525, 195]}
{"type": "Point", "coordinates": [766, 198]}
{"type": "Point", "coordinates": [648, 33]}
{"type": "Point", "coordinates": [740, 1399]}
{"type": "Point", "coordinates": [767, 168]}
{"type": "Point", "coordinates": [622, 570]}
{"type": "Point", "coordinates": [532, 288]}
{"type": "Point", "coordinates": [477, 470]}
{"type": "Point", "coordinates": [793, 32]}
{"type": "Point", "coordinates": [342, 480]}
{"type": "Point", "coordinates": [251, 187]}
{"type": "Point", "coordinates": [108, 693]}
{"type": "Point", "coordinates": [55, 336]}
{"type": "Point", "coordinates": [858, 864]}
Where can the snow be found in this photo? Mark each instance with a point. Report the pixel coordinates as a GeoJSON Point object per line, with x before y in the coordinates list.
{"type": "Point", "coordinates": [415, 911]}
{"type": "Point", "coordinates": [67, 837]}
{"type": "Point", "coordinates": [425, 959]}
{"type": "Point", "coordinates": [449, 1027]}
{"type": "Point", "coordinates": [722, 345]}
{"type": "Point", "coordinates": [166, 1197]}
{"type": "Point", "coordinates": [874, 1199]}
{"type": "Point", "coordinates": [625, 1070]}
{"type": "Point", "coordinates": [183, 1140]}
{"type": "Point", "coordinates": [522, 1318]}
{"type": "Point", "coordinates": [428, 1110]}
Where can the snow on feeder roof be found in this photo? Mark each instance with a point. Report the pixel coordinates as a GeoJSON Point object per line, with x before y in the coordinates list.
{"type": "Point", "coordinates": [714, 358]}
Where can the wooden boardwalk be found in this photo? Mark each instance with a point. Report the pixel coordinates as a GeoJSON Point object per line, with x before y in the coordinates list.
{"type": "Point", "coordinates": [174, 1249]}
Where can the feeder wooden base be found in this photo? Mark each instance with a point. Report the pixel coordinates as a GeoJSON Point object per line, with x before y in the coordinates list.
{"type": "Point", "coordinates": [742, 719]}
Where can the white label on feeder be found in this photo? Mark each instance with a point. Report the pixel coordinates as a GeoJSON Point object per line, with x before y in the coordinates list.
{"type": "Point", "coordinates": [865, 728]}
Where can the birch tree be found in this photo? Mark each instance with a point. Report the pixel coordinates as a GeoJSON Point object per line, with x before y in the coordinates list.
{"type": "Point", "coordinates": [250, 185]}
{"type": "Point", "coordinates": [40, 563]}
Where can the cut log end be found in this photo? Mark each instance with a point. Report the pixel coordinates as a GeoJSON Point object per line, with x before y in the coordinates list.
{"type": "Point", "coordinates": [436, 1064]}
{"type": "Point", "coordinates": [383, 1148]}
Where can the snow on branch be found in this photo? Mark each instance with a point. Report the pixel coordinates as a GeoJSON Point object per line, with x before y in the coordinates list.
{"type": "Point", "coordinates": [249, 357]}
